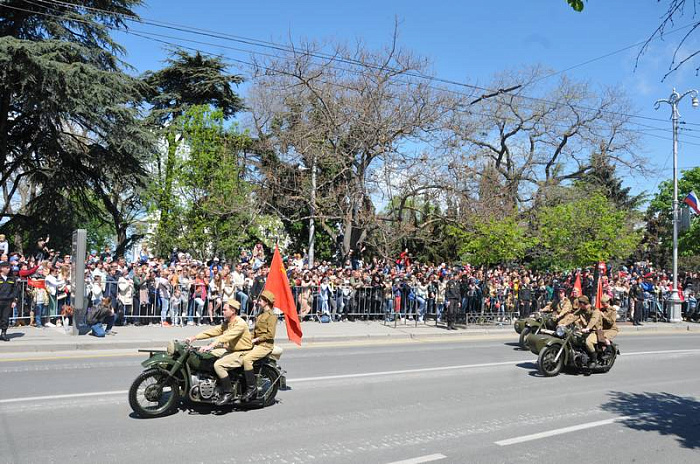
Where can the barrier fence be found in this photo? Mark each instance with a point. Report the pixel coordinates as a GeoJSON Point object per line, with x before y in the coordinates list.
{"type": "Point", "coordinates": [316, 303]}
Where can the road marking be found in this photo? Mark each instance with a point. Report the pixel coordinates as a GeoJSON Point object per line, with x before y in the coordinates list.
{"type": "Point", "coordinates": [60, 397]}
{"type": "Point", "coordinates": [331, 377]}
{"type": "Point", "coordinates": [551, 433]}
{"type": "Point", "coordinates": [419, 460]}
{"type": "Point", "coordinates": [639, 353]}
{"type": "Point", "coordinates": [406, 371]}
{"type": "Point", "coordinates": [82, 356]}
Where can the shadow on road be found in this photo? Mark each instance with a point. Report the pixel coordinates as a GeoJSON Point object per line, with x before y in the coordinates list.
{"type": "Point", "coordinates": [12, 335]}
{"type": "Point", "coordinates": [664, 413]}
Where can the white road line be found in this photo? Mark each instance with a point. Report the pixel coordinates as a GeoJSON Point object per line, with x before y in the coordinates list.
{"type": "Point", "coordinates": [336, 377]}
{"type": "Point", "coordinates": [551, 433]}
{"type": "Point", "coordinates": [419, 460]}
{"type": "Point", "coordinates": [406, 371]}
{"type": "Point", "coordinates": [639, 353]}
{"type": "Point", "coordinates": [58, 397]}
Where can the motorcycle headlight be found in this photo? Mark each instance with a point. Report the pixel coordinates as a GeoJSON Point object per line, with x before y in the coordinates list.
{"type": "Point", "coordinates": [561, 331]}
{"type": "Point", "coordinates": [171, 347]}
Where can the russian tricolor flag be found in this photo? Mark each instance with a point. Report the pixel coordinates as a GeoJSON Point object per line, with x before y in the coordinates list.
{"type": "Point", "coordinates": [692, 201]}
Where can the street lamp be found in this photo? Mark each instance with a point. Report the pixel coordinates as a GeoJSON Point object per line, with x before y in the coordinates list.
{"type": "Point", "coordinates": [675, 306]}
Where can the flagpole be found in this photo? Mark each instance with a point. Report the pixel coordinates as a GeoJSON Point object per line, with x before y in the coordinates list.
{"type": "Point", "coordinates": [674, 300]}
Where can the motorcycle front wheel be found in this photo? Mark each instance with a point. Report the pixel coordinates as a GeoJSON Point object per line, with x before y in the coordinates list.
{"type": "Point", "coordinates": [152, 394]}
{"type": "Point", "coordinates": [546, 363]}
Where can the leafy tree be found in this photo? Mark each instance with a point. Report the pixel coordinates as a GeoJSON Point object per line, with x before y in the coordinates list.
{"type": "Point", "coordinates": [68, 118]}
{"type": "Point", "coordinates": [585, 230]}
{"type": "Point", "coordinates": [213, 211]}
{"type": "Point", "coordinates": [494, 241]}
{"type": "Point", "coordinates": [659, 217]}
{"type": "Point", "coordinates": [188, 80]}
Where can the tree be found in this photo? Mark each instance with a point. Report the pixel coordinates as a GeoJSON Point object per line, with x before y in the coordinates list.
{"type": "Point", "coordinates": [494, 241]}
{"type": "Point", "coordinates": [188, 80]}
{"type": "Point", "coordinates": [68, 113]}
{"type": "Point", "coordinates": [529, 143]}
{"type": "Point", "coordinates": [587, 229]}
{"type": "Point", "coordinates": [348, 117]}
{"type": "Point", "coordinates": [658, 237]}
{"type": "Point", "coordinates": [213, 209]}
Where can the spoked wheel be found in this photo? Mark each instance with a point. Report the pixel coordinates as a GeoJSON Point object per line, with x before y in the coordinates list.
{"type": "Point", "coordinates": [546, 363]}
{"type": "Point", "coordinates": [268, 384]}
{"type": "Point", "coordinates": [523, 335]}
{"type": "Point", "coordinates": [152, 395]}
{"type": "Point", "coordinates": [608, 357]}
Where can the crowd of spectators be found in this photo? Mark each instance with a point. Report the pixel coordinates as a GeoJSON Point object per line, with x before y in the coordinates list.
{"type": "Point", "coordinates": [180, 290]}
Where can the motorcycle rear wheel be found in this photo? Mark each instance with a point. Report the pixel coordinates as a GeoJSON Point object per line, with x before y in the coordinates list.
{"type": "Point", "coordinates": [151, 395]}
{"type": "Point", "coordinates": [611, 358]}
{"type": "Point", "coordinates": [268, 384]}
{"type": "Point", "coordinates": [523, 335]}
{"type": "Point", "coordinates": [546, 364]}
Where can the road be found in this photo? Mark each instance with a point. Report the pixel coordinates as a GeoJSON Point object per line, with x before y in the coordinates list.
{"type": "Point", "coordinates": [477, 401]}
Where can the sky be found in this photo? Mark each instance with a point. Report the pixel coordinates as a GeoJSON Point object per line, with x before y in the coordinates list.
{"type": "Point", "coordinates": [469, 42]}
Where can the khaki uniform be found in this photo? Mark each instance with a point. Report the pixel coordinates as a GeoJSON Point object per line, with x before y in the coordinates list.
{"type": "Point", "coordinates": [610, 329]}
{"type": "Point", "coordinates": [562, 309]}
{"type": "Point", "coordinates": [595, 322]}
{"type": "Point", "coordinates": [577, 316]}
{"type": "Point", "coordinates": [265, 328]}
{"type": "Point", "coordinates": [234, 341]}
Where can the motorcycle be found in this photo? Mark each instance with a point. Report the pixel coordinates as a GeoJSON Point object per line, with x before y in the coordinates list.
{"type": "Point", "coordinates": [533, 325]}
{"type": "Point", "coordinates": [183, 371]}
{"type": "Point", "coordinates": [567, 348]}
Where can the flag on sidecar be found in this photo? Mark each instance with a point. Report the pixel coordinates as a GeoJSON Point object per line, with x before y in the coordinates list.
{"type": "Point", "coordinates": [278, 284]}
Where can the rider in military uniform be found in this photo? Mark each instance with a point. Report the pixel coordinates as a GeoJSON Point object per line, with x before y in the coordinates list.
{"type": "Point", "coordinates": [594, 322]}
{"type": "Point", "coordinates": [609, 314]}
{"type": "Point", "coordinates": [578, 315]}
{"type": "Point", "coordinates": [559, 307]}
{"type": "Point", "coordinates": [232, 343]}
{"type": "Point", "coordinates": [263, 339]}
{"type": "Point", "coordinates": [9, 292]}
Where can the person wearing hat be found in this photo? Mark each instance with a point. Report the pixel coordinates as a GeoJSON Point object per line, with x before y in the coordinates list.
{"type": "Point", "coordinates": [263, 341]}
{"type": "Point", "coordinates": [9, 292]}
{"type": "Point", "coordinates": [560, 306]}
{"type": "Point", "coordinates": [609, 314]}
{"type": "Point", "coordinates": [593, 322]}
{"type": "Point", "coordinates": [233, 342]}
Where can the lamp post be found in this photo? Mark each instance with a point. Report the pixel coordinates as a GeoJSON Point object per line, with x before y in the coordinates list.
{"type": "Point", "coordinates": [675, 301]}
{"type": "Point", "coordinates": [312, 213]}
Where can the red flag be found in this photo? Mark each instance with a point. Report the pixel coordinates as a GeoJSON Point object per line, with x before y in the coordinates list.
{"type": "Point", "coordinates": [599, 290]}
{"type": "Point", "coordinates": [577, 284]}
{"type": "Point", "coordinates": [278, 284]}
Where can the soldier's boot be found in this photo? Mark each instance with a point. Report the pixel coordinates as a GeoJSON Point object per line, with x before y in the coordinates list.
{"type": "Point", "coordinates": [4, 336]}
{"type": "Point", "coordinates": [228, 391]}
{"type": "Point", "coordinates": [252, 390]}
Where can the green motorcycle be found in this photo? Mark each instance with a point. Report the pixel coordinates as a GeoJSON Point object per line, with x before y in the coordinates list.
{"type": "Point", "coordinates": [533, 325]}
{"type": "Point", "coordinates": [567, 348]}
{"type": "Point", "coordinates": [182, 371]}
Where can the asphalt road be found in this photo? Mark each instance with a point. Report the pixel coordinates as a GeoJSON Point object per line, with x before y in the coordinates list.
{"type": "Point", "coordinates": [476, 401]}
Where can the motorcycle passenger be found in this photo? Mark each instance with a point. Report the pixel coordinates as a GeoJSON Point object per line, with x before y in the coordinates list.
{"type": "Point", "coordinates": [609, 314]}
{"type": "Point", "coordinates": [594, 322]}
{"type": "Point", "coordinates": [232, 343]}
{"type": "Point", "coordinates": [263, 341]}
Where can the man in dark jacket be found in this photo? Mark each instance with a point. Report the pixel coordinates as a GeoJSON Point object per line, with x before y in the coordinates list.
{"type": "Point", "coordinates": [9, 292]}
{"type": "Point", "coordinates": [452, 296]}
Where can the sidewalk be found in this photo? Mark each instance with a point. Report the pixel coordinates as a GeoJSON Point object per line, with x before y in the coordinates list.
{"type": "Point", "coordinates": [52, 339]}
